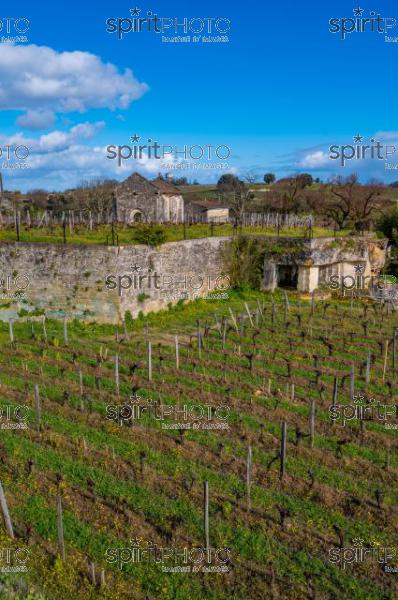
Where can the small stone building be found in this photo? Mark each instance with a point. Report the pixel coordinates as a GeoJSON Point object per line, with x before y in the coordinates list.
{"type": "Point", "coordinates": [306, 265]}
{"type": "Point", "coordinates": [207, 211]}
{"type": "Point", "coordinates": [141, 200]}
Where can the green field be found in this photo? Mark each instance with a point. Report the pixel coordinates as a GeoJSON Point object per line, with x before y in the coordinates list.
{"type": "Point", "coordinates": [125, 235]}
{"type": "Point", "coordinates": [120, 483]}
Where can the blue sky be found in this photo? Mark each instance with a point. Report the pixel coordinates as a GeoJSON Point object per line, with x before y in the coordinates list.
{"type": "Point", "coordinates": [279, 93]}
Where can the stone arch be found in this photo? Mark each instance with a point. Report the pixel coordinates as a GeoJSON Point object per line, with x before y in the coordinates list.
{"type": "Point", "coordinates": [135, 216]}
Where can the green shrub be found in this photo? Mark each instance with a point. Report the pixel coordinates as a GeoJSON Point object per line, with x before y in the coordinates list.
{"type": "Point", "coordinates": [128, 317]}
{"type": "Point", "coordinates": [150, 235]}
{"type": "Point", "coordinates": [142, 297]}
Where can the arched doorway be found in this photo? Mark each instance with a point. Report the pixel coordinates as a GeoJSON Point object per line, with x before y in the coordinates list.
{"type": "Point", "coordinates": [136, 216]}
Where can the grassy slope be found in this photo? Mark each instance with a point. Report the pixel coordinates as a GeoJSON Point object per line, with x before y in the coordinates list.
{"type": "Point", "coordinates": [109, 499]}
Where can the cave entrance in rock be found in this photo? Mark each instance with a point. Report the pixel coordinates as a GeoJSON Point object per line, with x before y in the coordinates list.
{"type": "Point", "coordinates": [288, 276]}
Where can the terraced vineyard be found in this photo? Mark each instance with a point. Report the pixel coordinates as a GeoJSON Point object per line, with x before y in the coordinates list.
{"type": "Point", "coordinates": [115, 484]}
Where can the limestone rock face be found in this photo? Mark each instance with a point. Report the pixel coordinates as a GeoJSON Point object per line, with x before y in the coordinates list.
{"type": "Point", "coordinates": [101, 282]}
{"type": "Point", "coordinates": [74, 279]}
{"type": "Point", "coordinates": [377, 257]}
{"type": "Point", "coordinates": [320, 258]}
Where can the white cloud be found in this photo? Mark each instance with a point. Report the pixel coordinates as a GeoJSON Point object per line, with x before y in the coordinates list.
{"type": "Point", "coordinates": [61, 159]}
{"type": "Point", "coordinates": [385, 135]}
{"type": "Point", "coordinates": [55, 140]}
{"type": "Point", "coordinates": [314, 160]}
{"type": "Point", "coordinates": [38, 79]}
{"type": "Point", "coordinates": [36, 119]}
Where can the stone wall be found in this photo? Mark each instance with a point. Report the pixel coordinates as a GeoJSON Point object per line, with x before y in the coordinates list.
{"type": "Point", "coordinates": [102, 283]}
{"type": "Point", "coordinates": [73, 278]}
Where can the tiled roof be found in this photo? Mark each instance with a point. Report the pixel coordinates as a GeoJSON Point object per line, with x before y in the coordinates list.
{"type": "Point", "coordinates": [165, 187]}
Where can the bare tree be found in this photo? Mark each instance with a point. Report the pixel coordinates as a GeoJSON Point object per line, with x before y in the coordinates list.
{"type": "Point", "coordinates": [238, 202]}
{"type": "Point", "coordinates": [351, 201]}
{"type": "Point", "coordinates": [250, 176]}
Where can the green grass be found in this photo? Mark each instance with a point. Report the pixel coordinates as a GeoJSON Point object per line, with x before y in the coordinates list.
{"type": "Point", "coordinates": [269, 560]}
{"type": "Point", "coordinates": [125, 235]}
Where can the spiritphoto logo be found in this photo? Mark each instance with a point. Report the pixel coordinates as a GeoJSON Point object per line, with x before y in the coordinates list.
{"type": "Point", "coordinates": [14, 156]}
{"type": "Point", "coordinates": [364, 409]}
{"type": "Point", "coordinates": [360, 281]}
{"type": "Point", "coordinates": [14, 560]}
{"type": "Point", "coordinates": [13, 286]}
{"type": "Point", "coordinates": [362, 22]}
{"type": "Point", "coordinates": [196, 296]}
{"type": "Point", "coordinates": [361, 151]}
{"type": "Point", "coordinates": [14, 417]}
{"type": "Point", "coordinates": [178, 29]}
{"type": "Point", "coordinates": [172, 559]}
{"type": "Point", "coordinates": [358, 553]}
{"type": "Point", "coordinates": [172, 416]}
{"type": "Point", "coordinates": [173, 157]}
{"type": "Point", "coordinates": [166, 283]}
{"type": "Point", "coordinates": [15, 29]}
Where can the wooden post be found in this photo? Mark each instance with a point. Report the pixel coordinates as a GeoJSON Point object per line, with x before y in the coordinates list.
{"type": "Point", "coordinates": [385, 359]}
{"type": "Point", "coordinates": [102, 578]}
{"type": "Point", "coordinates": [60, 527]}
{"type": "Point", "coordinates": [269, 386]}
{"type": "Point", "coordinates": [292, 393]}
{"type": "Point", "coordinates": [37, 406]}
{"type": "Point", "coordinates": [44, 328]}
{"type": "Point", "coordinates": [117, 373]}
{"type": "Point", "coordinates": [248, 477]}
{"type": "Point", "coordinates": [206, 514]}
{"type": "Point", "coordinates": [312, 423]}
{"type": "Point", "coordinates": [199, 338]}
{"type": "Point", "coordinates": [394, 347]}
{"type": "Point", "coordinates": [286, 308]}
{"type": "Point", "coordinates": [367, 374]}
{"type": "Point", "coordinates": [224, 332]}
{"type": "Point", "coordinates": [234, 320]}
{"type": "Point", "coordinates": [352, 382]}
{"type": "Point", "coordinates": [6, 514]}
{"type": "Point", "coordinates": [259, 308]}
{"type": "Point", "coordinates": [92, 573]}
{"type": "Point", "coordinates": [149, 353]}
{"type": "Point", "coordinates": [18, 225]}
{"type": "Point", "coordinates": [65, 331]}
{"type": "Point", "coordinates": [126, 333]}
{"type": "Point", "coordinates": [257, 319]}
{"type": "Point", "coordinates": [242, 328]}
{"type": "Point", "coordinates": [335, 391]}
{"type": "Point", "coordinates": [177, 353]}
{"type": "Point", "coordinates": [283, 450]}
{"type": "Point", "coordinates": [249, 315]}
{"type": "Point", "coordinates": [81, 384]}
{"type": "Point", "coordinates": [218, 324]}
{"type": "Point", "coordinates": [11, 330]}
